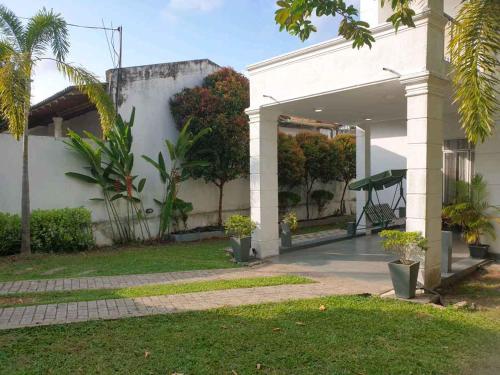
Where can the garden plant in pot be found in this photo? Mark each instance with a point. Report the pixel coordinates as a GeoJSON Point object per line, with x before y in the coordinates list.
{"type": "Point", "coordinates": [288, 225]}
{"type": "Point", "coordinates": [240, 229]}
{"type": "Point", "coordinates": [409, 246]}
{"type": "Point", "coordinates": [471, 213]}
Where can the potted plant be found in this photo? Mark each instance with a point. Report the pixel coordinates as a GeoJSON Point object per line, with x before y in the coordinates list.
{"type": "Point", "coordinates": [288, 225]}
{"type": "Point", "coordinates": [404, 271]}
{"type": "Point", "coordinates": [470, 213]}
{"type": "Point", "coordinates": [240, 229]}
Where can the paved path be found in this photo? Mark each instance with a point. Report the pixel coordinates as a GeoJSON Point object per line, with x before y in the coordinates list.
{"type": "Point", "coordinates": [17, 317]}
{"type": "Point", "coordinates": [347, 267]}
{"type": "Point", "coordinates": [124, 281]}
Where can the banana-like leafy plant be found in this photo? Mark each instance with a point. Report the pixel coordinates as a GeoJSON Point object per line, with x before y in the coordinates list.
{"type": "Point", "coordinates": [178, 171]}
{"type": "Point", "coordinates": [111, 165]}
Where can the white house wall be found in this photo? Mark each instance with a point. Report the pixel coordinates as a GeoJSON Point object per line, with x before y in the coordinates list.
{"type": "Point", "coordinates": [50, 158]}
{"type": "Point", "coordinates": [335, 65]}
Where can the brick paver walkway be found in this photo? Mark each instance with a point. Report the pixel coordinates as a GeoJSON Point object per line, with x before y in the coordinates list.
{"type": "Point", "coordinates": [123, 281]}
{"type": "Point", "coordinates": [17, 317]}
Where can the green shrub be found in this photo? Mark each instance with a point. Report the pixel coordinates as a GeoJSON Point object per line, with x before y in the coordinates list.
{"type": "Point", "coordinates": [321, 198]}
{"type": "Point", "coordinates": [61, 230]}
{"type": "Point", "coordinates": [287, 199]}
{"type": "Point", "coordinates": [239, 226]}
{"type": "Point", "coordinates": [409, 246]}
{"type": "Point", "coordinates": [10, 234]}
{"type": "Point", "coordinates": [291, 220]}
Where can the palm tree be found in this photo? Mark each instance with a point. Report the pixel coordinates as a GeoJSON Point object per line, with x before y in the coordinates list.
{"type": "Point", "coordinates": [474, 50]}
{"type": "Point", "coordinates": [22, 46]}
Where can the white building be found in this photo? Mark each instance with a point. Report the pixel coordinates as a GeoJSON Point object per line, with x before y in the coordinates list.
{"type": "Point", "coordinates": [148, 89]}
{"type": "Point", "coordinates": [398, 94]}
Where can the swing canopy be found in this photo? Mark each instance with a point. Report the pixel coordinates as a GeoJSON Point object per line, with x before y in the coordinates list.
{"type": "Point", "coordinates": [379, 181]}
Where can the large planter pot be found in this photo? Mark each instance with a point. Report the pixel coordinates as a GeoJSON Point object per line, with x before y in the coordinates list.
{"type": "Point", "coordinates": [479, 251]}
{"type": "Point", "coordinates": [241, 248]}
{"type": "Point", "coordinates": [404, 278]}
{"type": "Point", "coordinates": [285, 235]}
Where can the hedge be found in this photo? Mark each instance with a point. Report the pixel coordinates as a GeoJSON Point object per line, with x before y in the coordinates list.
{"type": "Point", "coordinates": [60, 230]}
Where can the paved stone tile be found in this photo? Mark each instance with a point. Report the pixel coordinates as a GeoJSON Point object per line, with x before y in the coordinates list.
{"type": "Point", "coordinates": [132, 307]}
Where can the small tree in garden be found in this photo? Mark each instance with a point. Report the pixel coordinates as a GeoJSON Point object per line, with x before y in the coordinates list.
{"type": "Point", "coordinates": [319, 161]}
{"type": "Point", "coordinates": [173, 208]}
{"type": "Point", "coordinates": [291, 162]}
{"type": "Point", "coordinates": [219, 104]}
{"type": "Point", "coordinates": [345, 145]}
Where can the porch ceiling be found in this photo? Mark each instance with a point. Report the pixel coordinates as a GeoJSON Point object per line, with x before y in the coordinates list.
{"type": "Point", "coordinates": [380, 103]}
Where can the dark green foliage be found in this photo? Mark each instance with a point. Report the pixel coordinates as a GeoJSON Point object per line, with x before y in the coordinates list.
{"type": "Point", "coordinates": [291, 162]}
{"type": "Point", "coordinates": [60, 230]}
{"type": "Point", "coordinates": [320, 161]}
{"type": "Point", "coordinates": [321, 198]}
{"type": "Point", "coordinates": [294, 16]}
{"type": "Point", "coordinates": [345, 148]}
{"type": "Point", "coordinates": [287, 200]}
{"type": "Point", "coordinates": [10, 234]}
{"type": "Point", "coordinates": [219, 104]}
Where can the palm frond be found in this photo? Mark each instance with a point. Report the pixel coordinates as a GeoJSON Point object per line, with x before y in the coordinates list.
{"type": "Point", "coordinates": [474, 49]}
{"type": "Point", "coordinates": [14, 97]}
{"type": "Point", "coordinates": [88, 84]}
{"type": "Point", "coordinates": [11, 27]}
{"type": "Point", "coordinates": [45, 29]}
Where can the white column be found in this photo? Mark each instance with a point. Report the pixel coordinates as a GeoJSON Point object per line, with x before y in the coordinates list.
{"type": "Point", "coordinates": [424, 95]}
{"type": "Point", "coordinates": [264, 181]}
{"type": "Point", "coordinates": [363, 167]}
{"type": "Point", "coordinates": [58, 121]}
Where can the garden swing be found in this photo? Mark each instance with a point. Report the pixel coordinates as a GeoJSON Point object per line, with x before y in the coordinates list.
{"type": "Point", "coordinates": [380, 215]}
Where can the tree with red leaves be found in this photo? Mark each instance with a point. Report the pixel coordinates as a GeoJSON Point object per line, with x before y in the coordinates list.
{"type": "Point", "coordinates": [218, 104]}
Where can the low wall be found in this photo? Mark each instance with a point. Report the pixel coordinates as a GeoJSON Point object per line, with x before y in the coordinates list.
{"type": "Point", "coordinates": [50, 188]}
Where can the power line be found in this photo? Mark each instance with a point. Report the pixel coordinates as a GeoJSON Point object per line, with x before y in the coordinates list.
{"type": "Point", "coordinates": [83, 26]}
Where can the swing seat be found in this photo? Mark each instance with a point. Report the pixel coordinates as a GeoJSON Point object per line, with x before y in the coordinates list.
{"type": "Point", "coordinates": [380, 214]}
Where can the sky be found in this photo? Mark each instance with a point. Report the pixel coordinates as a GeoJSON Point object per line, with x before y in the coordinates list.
{"type": "Point", "coordinates": [232, 33]}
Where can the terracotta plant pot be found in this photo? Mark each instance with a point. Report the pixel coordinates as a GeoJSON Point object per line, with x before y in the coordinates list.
{"type": "Point", "coordinates": [404, 278]}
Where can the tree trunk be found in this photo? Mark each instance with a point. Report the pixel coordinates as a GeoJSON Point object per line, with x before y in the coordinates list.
{"type": "Point", "coordinates": [25, 191]}
{"type": "Point", "coordinates": [221, 195]}
{"type": "Point", "coordinates": [308, 192]}
{"type": "Point", "coordinates": [342, 204]}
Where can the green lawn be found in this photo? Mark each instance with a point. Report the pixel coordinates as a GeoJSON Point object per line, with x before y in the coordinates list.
{"type": "Point", "coordinates": [354, 335]}
{"type": "Point", "coordinates": [25, 299]}
{"type": "Point", "coordinates": [119, 261]}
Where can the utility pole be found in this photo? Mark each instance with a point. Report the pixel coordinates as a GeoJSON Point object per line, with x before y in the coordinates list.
{"type": "Point", "coordinates": [119, 71]}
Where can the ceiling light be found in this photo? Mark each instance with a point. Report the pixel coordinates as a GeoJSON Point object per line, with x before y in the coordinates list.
{"type": "Point", "coordinates": [368, 119]}
{"type": "Point", "coordinates": [318, 109]}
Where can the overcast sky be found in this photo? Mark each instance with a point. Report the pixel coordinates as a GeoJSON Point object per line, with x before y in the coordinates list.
{"type": "Point", "coordinates": [229, 32]}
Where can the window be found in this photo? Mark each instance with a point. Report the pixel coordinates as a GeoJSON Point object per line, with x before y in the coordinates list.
{"type": "Point", "coordinates": [458, 155]}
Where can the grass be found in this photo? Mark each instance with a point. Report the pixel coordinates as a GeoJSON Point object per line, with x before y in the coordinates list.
{"type": "Point", "coordinates": [26, 299]}
{"type": "Point", "coordinates": [353, 335]}
{"type": "Point", "coordinates": [118, 261]}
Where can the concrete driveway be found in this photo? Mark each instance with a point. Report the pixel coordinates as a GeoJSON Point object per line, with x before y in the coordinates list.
{"type": "Point", "coordinates": [357, 265]}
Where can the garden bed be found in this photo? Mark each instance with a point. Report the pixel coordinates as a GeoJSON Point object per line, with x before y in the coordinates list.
{"type": "Point", "coordinates": [198, 234]}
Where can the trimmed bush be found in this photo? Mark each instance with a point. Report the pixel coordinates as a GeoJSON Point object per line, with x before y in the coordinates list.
{"type": "Point", "coordinates": [10, 234]}
{"type": "Point", "coordinates": [60, 230]}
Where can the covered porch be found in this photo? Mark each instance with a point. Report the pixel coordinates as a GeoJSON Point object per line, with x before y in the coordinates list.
{"type": "Point", "coordinates": [396, 94]}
